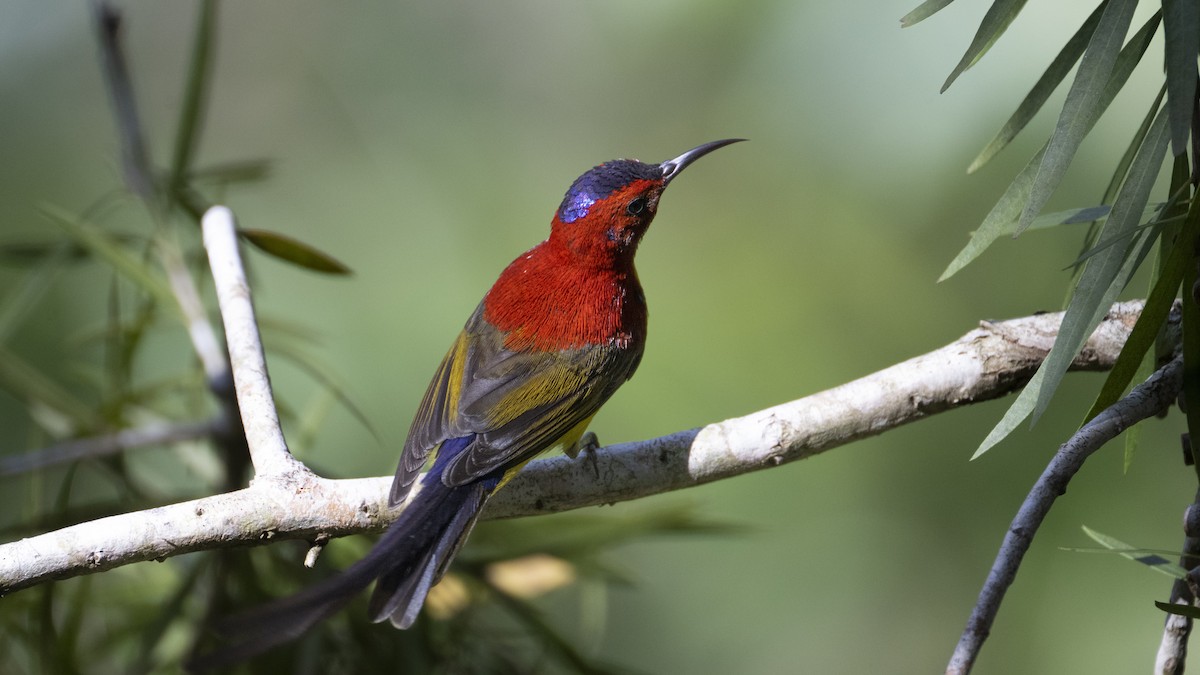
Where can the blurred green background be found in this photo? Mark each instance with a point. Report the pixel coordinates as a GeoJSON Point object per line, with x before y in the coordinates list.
{"type": "Point", "coordinates": [427, 144]}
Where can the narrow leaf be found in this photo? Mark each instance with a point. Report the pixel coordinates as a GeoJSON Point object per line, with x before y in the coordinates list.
{"type": "Point", "coordinates": [1083, 105]}
{"type": "Point", "coordinates": [997, 229]}
{"type": "Point", "coordinates": [247, 171]}
{"type": "Point", "coordinates": [107, 248]}
{"type": "Point", "coordinates": [1037, 96]}
{"type": "Point", "coordinates": [1010, 204]}
{"type": "Point", "coordinates": [1182, 610]}
{"type": "Point", "coordinates": [995, 22]}
{"type": "Point", "coordinates": [293, 251]}
{"type": "Point", "coordinates": [1181, 26]}
{"type": "Point", "coordinates": [33, 286]}
{"type": "Point", "coordinates": [1191, 356]}
{"type": "Point", "coordinates": [1154, 315]}
{"type": "Point", "coordinates": [922, 12]}
{"type": "Point", "coordinates": [1103, 277]}
{"type": "Point", "coordinates": [31, 386]}
{"type": "Point", "coordinates": [1000, 220]}
{"type": "Point", "coordinates": [1107, 272]}
{"type": "Point", "coordinates": [1150, 559]}
{"type": "Point", "coordinates": [195, 97]}
{"type": "Point", "coordinates": [325, 376]}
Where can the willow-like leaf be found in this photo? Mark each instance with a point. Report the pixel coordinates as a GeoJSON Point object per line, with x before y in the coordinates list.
{"type": "Point", "coordinates": [1107, 272]}
{"type": "Point", "coordinates": [997, 19]}
{"type": "Point", "coordinates": [1037, 96]}
{"type": "Point", "coordinates": [1154, 314]}
{"type": "Point", "coordinates": [1182, 610]}
{"type": "Point", "coordinates": [1011, 203]}
{"type": "Point", "coordinates": [1141, 338]}
{"type": "Point", "coordinates": [195, 97]}
{"type": "Point", "coordinates": [1191, 359]}
{"type": "Point", "coordinates": [325, 376]}
{"type": "Point", "coordinates": [1114, 183]}
{"type": "Point", "coordinates": [1083, 105]}
{"type": "Point", "coordinates": [107, 248]}
{"type": "Point", "coordinates": [1102, 279]}
{"type": "Point", "coordinates": [34, 388]}
{"type": "Point", "coordinates": [1151, 559]}
{"type": "Point", "coordinates": [923, 11]}
{"type": "Point", "coordinates": [1181, 26]}
{"type": "Point", "coordinates": [26, 295]}
{"type": "Point", "coordinates": [245, 171]}
{"type": "Point", "coordinates": [296, 252]}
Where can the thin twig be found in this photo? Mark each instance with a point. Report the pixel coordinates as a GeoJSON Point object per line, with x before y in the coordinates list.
{"type": "Point", "coordinates": [1145, 400]}
{"type": "Point", "coordinates": [109, 444]}
{"type": "Point", "coordinates": [268, 449]}
{"type": "Point", "coordinates": [135, 159]}
{"type": "Point", "coordinates": [199, 328]}
{"type": "Point", "coordinates": [1172, 649]}
{"type": "Point", "coordinates": [985, 363]}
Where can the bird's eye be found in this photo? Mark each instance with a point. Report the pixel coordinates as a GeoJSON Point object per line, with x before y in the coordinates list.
{"type": "Point", "coordinates": [636, 206]}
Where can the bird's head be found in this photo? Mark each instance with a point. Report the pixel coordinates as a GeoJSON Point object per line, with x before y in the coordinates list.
{"type": "Point", "coordinates": [607, 210]}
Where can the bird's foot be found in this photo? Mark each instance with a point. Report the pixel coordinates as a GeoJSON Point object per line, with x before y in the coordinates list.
{"type": "Point", "coordinates": [587, 445]}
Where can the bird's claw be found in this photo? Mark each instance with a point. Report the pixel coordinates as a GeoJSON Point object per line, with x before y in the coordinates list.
{"type": "Point", "coordinates": [587, 445]}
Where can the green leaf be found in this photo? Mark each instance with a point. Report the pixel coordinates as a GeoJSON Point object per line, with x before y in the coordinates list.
{"type": "Point", "coordinates": [1148, 223]}
{"type": "Point", "coordinates": [1114, 183]}
{"type": "Point", "coordinates": [922, 12]}
{"type": "Point", "coordinates": [195, 96]}
{"type": "Point", "coordinates": [1154, 315]}
{"type": "Point", "coordinates": [995, 229]}
{"type": "Point", "coordinates": [1103, 278]}
{"type": "Point", "coordinates": [107, 248]}
{"type": "Point", "coordinates": [995, 22]}
{"type": "Point", "coordinates": [1083, 105]}
{"type": "Point", "coordinates": [1182, 610]}
{"type": "Point", "coordinates": [246, 171]}
{"type": "Point", "coordinates": [1191, 356]}
{"type": "Point", "coordinates": [33, 286]}
{"type": "Point", "coordinates": [1149, 558]}
{"type": "Point", "coordinates": [35, 389]}
{"type": "Point", "coordinates": [1013, 200]}
{"type": "Point", "coordinates": [1108, 271]}
{"type": "Point", "coordinates": [1181, 25]}
{"type": "Point", "coordinates": [1037, 96]}
{"type": "Point", "coordinates": [296, 252]}
{"type": "Point", "coordinates": [324, 375]}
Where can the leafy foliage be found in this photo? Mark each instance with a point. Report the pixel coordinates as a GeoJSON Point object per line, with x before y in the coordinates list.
{"type": "Point", "coordinates": [1124, 231]}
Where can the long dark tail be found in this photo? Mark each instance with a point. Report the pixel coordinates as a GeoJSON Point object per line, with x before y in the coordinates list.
{"type": "Point", "coordinates": [408, 559]}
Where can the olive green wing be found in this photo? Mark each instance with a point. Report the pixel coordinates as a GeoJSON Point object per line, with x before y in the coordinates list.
{"type": "Point", "coordinates": [515, 404]}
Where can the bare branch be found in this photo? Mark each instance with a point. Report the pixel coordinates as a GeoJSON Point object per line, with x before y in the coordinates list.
{"type": "Point", "coordinates": [109, 444]}
{"type": "Point", "coordinates": [1147, 399]}
{"type": "Point", "coordinates": [1172, 649]}
{"type": "Point", "coordinates": [987, 362]}
{"type": "Point", "coordinates": [135, 159]}
{"type": "Point", "coordinates": [199, 328]}
{"type": "Point", "coordinates": [268, 449]}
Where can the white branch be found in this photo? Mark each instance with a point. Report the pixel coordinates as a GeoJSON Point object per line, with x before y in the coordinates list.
{"type": "Point", "coordinates": [988, 362]}
{"type": "Point", "coordinates": [268, 449]}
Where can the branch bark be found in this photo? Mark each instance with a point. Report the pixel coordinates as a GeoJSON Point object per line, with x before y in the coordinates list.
{"type": "Point", "coordinates": [988, 362]}
{"type": "Point", "coordinates": [268, 449]}
{"type": "Point", "coordinates": [1145, 400]}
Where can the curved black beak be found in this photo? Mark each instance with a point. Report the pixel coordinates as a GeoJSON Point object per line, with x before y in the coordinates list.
{"type": "Point", "coordinates": [672, 167]}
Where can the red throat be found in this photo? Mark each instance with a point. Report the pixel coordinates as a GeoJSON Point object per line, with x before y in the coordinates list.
{"type": "Point", "coordinates": [549, 300]}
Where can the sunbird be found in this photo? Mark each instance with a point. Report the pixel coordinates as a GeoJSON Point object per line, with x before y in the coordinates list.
{"type": "Point", "coordinates": [561, 329]}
